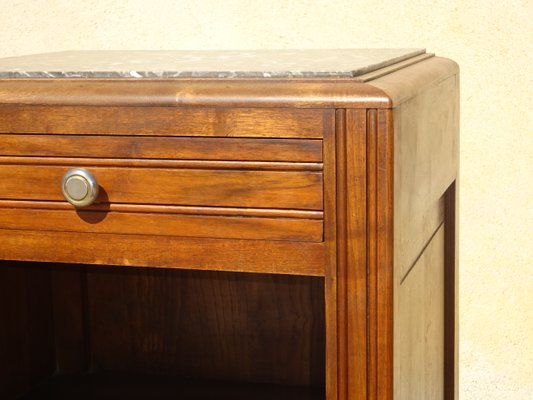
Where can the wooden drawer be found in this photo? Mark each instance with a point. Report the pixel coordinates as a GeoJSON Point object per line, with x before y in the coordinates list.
{"type": "Point", "coordinates": [244, 188]}
{"type": "Point", "coordinates": [196, 186]}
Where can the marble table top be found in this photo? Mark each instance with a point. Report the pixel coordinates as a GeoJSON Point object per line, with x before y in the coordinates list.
{"type": "Point", "coordinates": [345, 63]}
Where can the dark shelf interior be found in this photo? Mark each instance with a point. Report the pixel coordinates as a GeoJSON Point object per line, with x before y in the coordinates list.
{"type": "Point", "coordinates": [81, 332]}
{"type": "Point", "coordinates": [135, 387]}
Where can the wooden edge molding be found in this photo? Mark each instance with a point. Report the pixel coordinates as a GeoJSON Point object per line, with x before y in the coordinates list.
{"type": "Point", "coordinates": [392, 68]}
{"type": "Point", "coordinates": [237, 93]}
{"type": "Point", "coordinates": [384, 88]}
{"type": "Point", "coordinates": [406, 83]}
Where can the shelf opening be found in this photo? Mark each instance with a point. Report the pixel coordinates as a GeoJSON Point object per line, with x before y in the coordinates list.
{"type": "Point", "coordinates": [99, 332]}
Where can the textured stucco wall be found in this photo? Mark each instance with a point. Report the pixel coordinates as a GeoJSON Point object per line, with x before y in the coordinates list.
{"type": "Point", "coordinates": [488, 38]}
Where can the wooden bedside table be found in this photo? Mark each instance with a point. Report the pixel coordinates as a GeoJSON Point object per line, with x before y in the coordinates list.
{"type": "Point", "coordinates": [293, 214]}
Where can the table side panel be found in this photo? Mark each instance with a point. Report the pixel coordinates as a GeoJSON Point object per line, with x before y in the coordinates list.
{"type": "Point", "coordinates": [420, 323]}
{"type": "Point", "coordinates": [426, 142]}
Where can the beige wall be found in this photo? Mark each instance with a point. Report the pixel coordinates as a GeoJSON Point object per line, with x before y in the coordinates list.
{"type": "Point", "coordinates": [489, 39]}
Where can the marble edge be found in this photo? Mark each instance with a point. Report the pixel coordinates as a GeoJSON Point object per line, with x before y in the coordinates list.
{"type": "Point", "coordinates": [172, 74]}
{"type": "Point", "coordinates": [169, 74]}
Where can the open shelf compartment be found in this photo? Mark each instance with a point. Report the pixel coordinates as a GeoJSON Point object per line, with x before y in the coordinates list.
{"type": "Point", "coordinates": [106, 332]}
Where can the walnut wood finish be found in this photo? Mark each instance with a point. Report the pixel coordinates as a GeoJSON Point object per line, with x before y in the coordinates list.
{"type": "Point", "coordinates": [166, 148]}
{"type": "Point", "coordinates": [420, 326]}
{"type": "Point", "coordinates": [26, 332]}
{"type": "Point", "coordinates": [351, 254]}
{"type": "Point", "coordinates": [236, 227]}
{"type": "Point", "coordinates": [451, 294]}
{"type": "Point", "coordinates": [195, 187]}
{"type": "Point", "coordinates": [164, 121]}
{"type": "Point", "coordinates": [337, 197]}
{"type": "Point", "coordinates": [295, 94]}
{"type": "Point", "coordinates": [277, 257]}
{"type": "Point", "coordinates": [425, 166]}
{"type": "Point", "coordinates": [164, 209]}
{"type": "Point", "coordinates": [71, 322]}
{"type": "Point", "coordinates": [97, 387]}
{"type": "Point", "coordinates": [220, 326]}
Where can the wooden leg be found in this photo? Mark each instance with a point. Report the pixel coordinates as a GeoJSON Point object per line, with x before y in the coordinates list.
{"type": "Point", "coordinates": [450, 296]}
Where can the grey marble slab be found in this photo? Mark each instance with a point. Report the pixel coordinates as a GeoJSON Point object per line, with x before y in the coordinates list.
{"type": "Point", "coordinates": [203, 63]}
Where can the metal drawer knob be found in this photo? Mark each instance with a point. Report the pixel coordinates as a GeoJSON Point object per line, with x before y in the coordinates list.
{"type": "Point", "coordinates": [80, 187]}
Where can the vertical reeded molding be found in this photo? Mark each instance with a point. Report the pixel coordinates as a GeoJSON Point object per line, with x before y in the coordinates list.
{"type": "Point", "coordinates": [351, 254]}
{"type": "Point", "coordinates": [330, 240]}
{"type": "Point", "coordinates": [380, 180]}
{"type": "Point", "coordinates": [371, 253]}
{"type": "Point", "coordinates": [342, 368]}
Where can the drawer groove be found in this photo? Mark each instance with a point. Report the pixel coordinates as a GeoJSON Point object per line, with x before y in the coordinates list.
{"type": "Point", "coordinates": [178, 164]}
{"type": "Point", "coordinates": [167, 209]}
{"type": "Point", "coordinates": [160, 224]}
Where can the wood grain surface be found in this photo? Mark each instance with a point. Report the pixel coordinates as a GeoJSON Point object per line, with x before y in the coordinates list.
{"type": "Point", "coordinates": [198, 187]}
{"type": "Point", "coordinates": [300, 236]}
{"type": "Point", "coordinates": [277, 257]}
{"type": "Point", "coordinates": [169, 148]}
{"type": "Point", "coordinates": [165, 209]}
{"type": "Point", "coordinates": [135, 387]}
{"type": "Point", "coordinates": [420, 322]}
{"type": "Point", "coordinates": [351, 266]}
{"type": "Point", "coordinates": [199, 324]}
{"type": "Point", "coordinates": [426, 153]}
{"type": "Point", "coordinates": [26, 327]}
{"type": "Point", "coordinates": [164, 121]}
{"type": "Point", "coordinates": [195, 93]}
{"type": "Point", "coordinates": [236, 227]}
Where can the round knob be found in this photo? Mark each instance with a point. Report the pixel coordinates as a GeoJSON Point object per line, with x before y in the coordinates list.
{"type": "Point", "coordinates": [79, 187]}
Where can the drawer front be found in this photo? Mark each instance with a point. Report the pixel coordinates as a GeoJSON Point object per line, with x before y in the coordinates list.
{"type": "Point", "coordinates": [216, 187]}
{"type": "Point", "coordinates": [172, 186]}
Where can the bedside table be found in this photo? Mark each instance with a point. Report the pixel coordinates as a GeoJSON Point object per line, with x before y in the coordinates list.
{"type": "Point", "coordinates": [229, 224]}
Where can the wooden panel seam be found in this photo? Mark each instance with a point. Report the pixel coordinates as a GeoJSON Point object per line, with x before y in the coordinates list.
{"type": "Point", "coordinates": [160, 163]}
{"type": "Point", "coordinates": [166, 209]}
{"type": "Point", "coordinates": [384, 231]}
{"type": "Point", "coordinates": [421, 253]}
